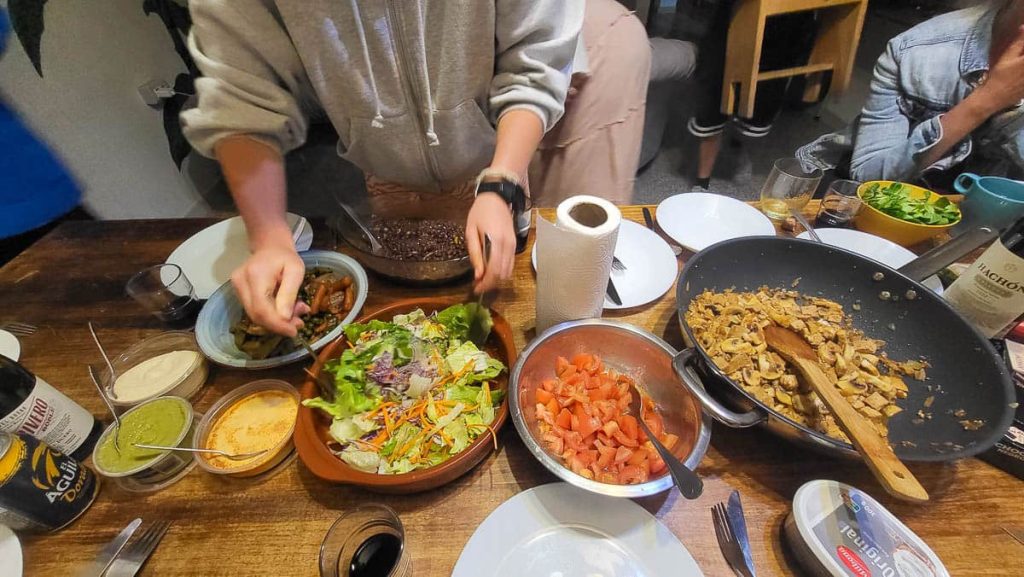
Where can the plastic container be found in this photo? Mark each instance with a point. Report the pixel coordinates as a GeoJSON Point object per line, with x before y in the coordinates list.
{"type": "Point", "coordinates": [187, 387]}
{"type": "Point", "coordinates": [165, 468]}
{"type": "Point", "coordinates": [837, 530]}
{"type": "Point", "coordinates": [278, 453]}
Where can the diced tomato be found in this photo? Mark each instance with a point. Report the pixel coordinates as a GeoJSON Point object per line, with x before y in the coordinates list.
{"type": "Point", "coordinates": [669, 440]}
{"type": "Point", "coordinates": [607, 456]}
{"type": "Point", "coordinates": [625, 440]}
{"type": "Point", "coordinates": [544, 396]}
{"type": "Point", "coordinates": [629, 475]}
{"type": "Point", "coordinates": [563, 368]}
{"type": "Point", "coordinates": [622, 454]}
{"type": "Point", "coordinates": [587, 457]}
{"type": "Point", "coordinates": [564, 419]}
{"type": "Point", "coordinates": [549, 385]}
{"type": "Point", "coordinates": [584, 424]}
{"type": "Point", "coordinates": [639, 456]}
{"type": "Point", "coordinates": [553, 407]}
{"type": "Point", "coordinates": [629, 425]}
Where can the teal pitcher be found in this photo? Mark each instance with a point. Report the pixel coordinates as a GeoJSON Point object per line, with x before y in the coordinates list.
{"type": "Point", "coordinates": [989, 201]}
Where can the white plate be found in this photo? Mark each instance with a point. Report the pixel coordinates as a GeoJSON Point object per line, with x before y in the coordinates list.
{"type": "Point", "coordinates": [212, 254]}
{"type": "Point", "coordinates": [873, 247]}
{"type": "Point", "coordinates": [10, 553]}
{"type": "Point", "coordinates": [559, 530]}
{"type": "Point", "coordinates": [9, 346]}
{"type": "Point", "coordinates": [697, 220]}
{"type": "Point", "coordinates": [651, 267]}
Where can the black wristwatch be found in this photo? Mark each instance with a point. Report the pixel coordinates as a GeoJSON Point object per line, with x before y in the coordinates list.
{"type": "Point", "coordinates": [510, 192]}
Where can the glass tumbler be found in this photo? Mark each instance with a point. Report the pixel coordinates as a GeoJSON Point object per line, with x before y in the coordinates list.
{"type": "Point", "coordinates": [840, 205]}
{"type": "Point", "coordinates": [788, 189]}
{"type": "Point", "coordinates": [368, 541]}
{"type": "Point", "coordinates": [165, 292]}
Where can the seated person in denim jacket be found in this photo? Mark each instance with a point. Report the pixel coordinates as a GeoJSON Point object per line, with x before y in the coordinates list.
{"type": "Point", "coordinates": [946, 98]}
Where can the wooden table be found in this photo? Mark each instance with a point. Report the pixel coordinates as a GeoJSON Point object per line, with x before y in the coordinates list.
{"type": "Point", "coordinates": [77, 274]}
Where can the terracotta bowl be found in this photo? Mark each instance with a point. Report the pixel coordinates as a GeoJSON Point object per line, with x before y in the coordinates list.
{"type": "Point", "coordinates": [311, 431]}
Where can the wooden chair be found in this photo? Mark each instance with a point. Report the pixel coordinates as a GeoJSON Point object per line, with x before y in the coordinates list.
{"type": "Point", "coordinates": [834, 49]}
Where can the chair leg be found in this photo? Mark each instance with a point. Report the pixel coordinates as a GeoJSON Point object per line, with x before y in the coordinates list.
{"type": "Point", "coordinates": [838, 38]}
{"type": "Point", "coordinates": [743, 58]}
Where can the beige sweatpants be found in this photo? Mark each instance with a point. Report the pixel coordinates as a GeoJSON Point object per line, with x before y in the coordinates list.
{"type": "Point", "coordinates": [595, 147]}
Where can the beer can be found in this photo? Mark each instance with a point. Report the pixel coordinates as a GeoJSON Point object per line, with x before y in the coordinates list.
{"type": "Point", "coordinates": [41, 489]}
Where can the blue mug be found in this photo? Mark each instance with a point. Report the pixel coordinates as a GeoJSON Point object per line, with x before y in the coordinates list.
{"type": "Point", "coordinates": [989, 201]}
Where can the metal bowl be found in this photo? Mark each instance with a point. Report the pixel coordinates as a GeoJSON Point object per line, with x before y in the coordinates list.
{"type": "Point", "coordinates": [626, 349]}
{"type": "Point", "coordinates": [408, 272]}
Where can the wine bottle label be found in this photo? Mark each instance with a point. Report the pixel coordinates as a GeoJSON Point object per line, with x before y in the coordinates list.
{"type": "Point", "coordinates": [991, 292]}
{"type": "Point", "coordinates": [51, 417]}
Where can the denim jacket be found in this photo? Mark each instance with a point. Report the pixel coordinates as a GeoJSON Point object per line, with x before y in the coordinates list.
{"type": "Point", "coordinates": [923, 73]}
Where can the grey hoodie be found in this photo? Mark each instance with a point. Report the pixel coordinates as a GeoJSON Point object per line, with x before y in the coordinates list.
{"type": "Point", "coordinates": [413, 87]}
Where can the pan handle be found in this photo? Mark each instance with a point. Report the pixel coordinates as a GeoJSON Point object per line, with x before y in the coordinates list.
{"type": "Point", "coordinates": [683, 365]}
{"type": "Point", "coordinates": [944, 255]}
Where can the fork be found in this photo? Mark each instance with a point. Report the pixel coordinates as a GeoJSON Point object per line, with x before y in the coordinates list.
{"type": "Point", "coordinates": [19, 329]}
{"type": "Point", "coordinates": [618, 265]}
{"type": "Point", "coordinates": [728, 543]}
{"type": "Point", "coordinates": [131, 560]}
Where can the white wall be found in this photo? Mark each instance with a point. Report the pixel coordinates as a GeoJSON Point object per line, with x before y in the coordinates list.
{"type": "Point", "coordinates": [95, 53]}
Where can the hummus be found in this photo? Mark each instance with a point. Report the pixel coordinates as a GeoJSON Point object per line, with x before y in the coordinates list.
{"type": "Point", "coordinates": [256, 422]}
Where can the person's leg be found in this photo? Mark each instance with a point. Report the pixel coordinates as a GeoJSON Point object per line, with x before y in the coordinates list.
{"type": "Point", "coordinates": [595, 147]}
{"type": "Point", "coordinates": [708, 122]}
{"type": "Point", "coordinates": [708, 153]}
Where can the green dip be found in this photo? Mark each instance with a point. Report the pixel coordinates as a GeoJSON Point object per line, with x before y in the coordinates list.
{"type": "Point", "coordinates": [158, 422]}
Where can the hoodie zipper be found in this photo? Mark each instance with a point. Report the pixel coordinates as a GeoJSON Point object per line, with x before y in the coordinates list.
{"type": "Point", "coordinates": [402, 57]}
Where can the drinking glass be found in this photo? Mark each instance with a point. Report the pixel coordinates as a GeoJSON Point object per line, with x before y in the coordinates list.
{"type": "Point", "coordinates": [368, 541]}
{"type": "Point", "coordinates": [840, 205]}
{"type": "Point", "coordinates": [788, 189]}
{"type": "Point", "coordinates": [165, 292]}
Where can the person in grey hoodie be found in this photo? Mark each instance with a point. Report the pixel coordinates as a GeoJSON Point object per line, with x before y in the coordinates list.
{"type": "Point", "coordinates": [430, 96]}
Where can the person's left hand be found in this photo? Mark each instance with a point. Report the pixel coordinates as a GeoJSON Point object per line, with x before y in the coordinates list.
{"type": "Point", "coordinates": [490, 218]}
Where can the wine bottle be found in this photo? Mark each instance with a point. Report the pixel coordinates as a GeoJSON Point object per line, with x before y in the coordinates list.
{"type": "Point", "coordinates": [31, 406]}
{"type": "Point", "coordinates": [990, 293]}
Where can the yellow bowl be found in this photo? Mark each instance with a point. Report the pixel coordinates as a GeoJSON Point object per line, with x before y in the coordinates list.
{"type": "Point", "coordinates": [904, 233]}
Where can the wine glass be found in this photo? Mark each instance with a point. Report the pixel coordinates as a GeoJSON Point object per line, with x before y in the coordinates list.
{"type": "Point", "coordinates": [788, 189]}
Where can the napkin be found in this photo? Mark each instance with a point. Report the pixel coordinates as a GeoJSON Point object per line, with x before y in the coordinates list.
{"type": "Point", "coordinates": [574, 260]}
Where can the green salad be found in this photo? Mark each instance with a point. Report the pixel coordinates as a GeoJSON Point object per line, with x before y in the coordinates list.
{"type": "Point", "coordinates": [895, 200]}
{"type": "Point", "coordinates": [410, 393]}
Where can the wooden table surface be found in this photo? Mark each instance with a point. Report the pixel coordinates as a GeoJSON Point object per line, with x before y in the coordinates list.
{"type": "Point", "coordinates": [77, 274]}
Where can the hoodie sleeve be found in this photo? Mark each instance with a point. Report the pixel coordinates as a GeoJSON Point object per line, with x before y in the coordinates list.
{"type": "Point", "coordinates": [253, 82]}
{"type": "Point", "coordinates": [536, 41]}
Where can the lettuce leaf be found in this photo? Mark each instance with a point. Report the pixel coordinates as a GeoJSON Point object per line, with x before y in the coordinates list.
{"type": "Point", "coordinates": [366, 461]}
{"type": "Point", "coordinates": [400, 438]}
{"type": "Point", "coordinates": [459, 433]}
{"type": "Point", "coordinates": [347, 430]}
{"type": "Point", "coordinates": [485, 404]}
{"type": "Point", "coordinates": [456, 320]}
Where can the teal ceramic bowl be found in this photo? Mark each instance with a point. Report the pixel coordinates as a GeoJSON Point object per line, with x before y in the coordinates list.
{"type": "Point", "coordinates": [224, 309]}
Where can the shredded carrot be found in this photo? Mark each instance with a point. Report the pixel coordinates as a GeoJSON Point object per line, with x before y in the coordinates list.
{"type": "Point", "coordinates": [494, 435]}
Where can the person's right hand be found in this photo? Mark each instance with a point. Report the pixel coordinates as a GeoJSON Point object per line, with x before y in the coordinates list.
{"type": "Point", "coordinates": [268, 284]}
{"type": "Point", "coordinates": [1004, 87]}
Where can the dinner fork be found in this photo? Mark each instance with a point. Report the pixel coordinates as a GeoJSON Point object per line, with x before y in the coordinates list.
{"type": "Point", "coordinates": [618, 265]}
{"type": "Point", "coordinates": [727, 542]}
{"type": "Point", "coordinates": [19, 329]}
{"type": "Point", "coordinates": [131, 560]}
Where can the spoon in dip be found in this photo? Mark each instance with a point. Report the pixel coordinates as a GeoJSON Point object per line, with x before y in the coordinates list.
{"type": "Point", "coordinates": [110, 367]}
{"type": "Point", "coordinates": [233, 457]}
{"type": "Point", "coordinates": [110, 407]}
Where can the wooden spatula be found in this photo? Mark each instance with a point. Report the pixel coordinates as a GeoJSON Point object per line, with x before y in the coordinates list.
{"type": "Point", "coordinates": [886, 466]}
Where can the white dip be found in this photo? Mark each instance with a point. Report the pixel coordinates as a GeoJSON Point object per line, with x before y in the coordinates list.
{"type": "Point", "coordinates": [153, 376]}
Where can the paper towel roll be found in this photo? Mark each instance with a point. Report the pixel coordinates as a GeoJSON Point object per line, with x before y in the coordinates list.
{"type": "Point", "coordinates": [574, 259]}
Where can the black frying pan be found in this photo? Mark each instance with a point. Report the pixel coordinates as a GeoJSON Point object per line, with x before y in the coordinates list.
{"type": "Point", "coordinates": [966, 372]}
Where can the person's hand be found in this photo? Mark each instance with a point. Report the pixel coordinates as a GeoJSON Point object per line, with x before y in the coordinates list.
{"type": "Point", "coordinates": [490, 218]}
{"type": "Point", "coordinates": [1004, 87]}
{"type": "Point", "coordinates": [268, 284]}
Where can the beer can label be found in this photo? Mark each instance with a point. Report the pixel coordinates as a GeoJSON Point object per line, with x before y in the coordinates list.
{"type": "Point", "coordinates": [43, 487]}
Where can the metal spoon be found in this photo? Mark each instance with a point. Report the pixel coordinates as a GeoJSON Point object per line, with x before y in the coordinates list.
{"type": "Point", "coordinates": [689, 484]}
{"type": "Point", "coordinates": [233, 457]}
{"type": "Point", "coordinates": [807, 226]}
{"type": "Point", "coordinates": [110, 407]}
{"type": "Point", "coordinates": [375, 246]}
{"type": "Point", "coordinates": [110, 367]}
{"type": "Point", "coordinates": [326, 388]}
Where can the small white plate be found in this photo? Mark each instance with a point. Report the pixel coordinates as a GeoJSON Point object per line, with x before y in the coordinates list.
{"type": "Point", "coordinates": [9, 346]}
{"type": "Point", "coordinates": [873, 247]}
{"type": "Point", "coordinates": [10, 553]}
{"type": "Point", "coordinates": [212, 254]}
{"type": "Point", "coordinates": [560, 530]}
{"type": "Point", "coordinates": [697, 220]}
{"type": "Point", "coordinates": [651, 267]}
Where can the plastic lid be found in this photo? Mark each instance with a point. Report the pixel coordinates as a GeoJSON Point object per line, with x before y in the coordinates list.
{"type": "Point", "coordinates": [853, 535]}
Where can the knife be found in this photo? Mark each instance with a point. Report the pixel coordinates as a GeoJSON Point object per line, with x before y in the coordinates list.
{"type": "Point", "coordinates": [107, 555]}
{"type": "Point", "coordinates": [738, 524]}
{"type": "Point", "coordinates": [613, 295]}
{"type": "Point", "coordinates": [676, 249]}
{"type": "Point", "coordinates": [648, 219]}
